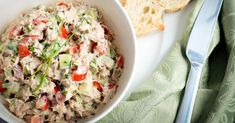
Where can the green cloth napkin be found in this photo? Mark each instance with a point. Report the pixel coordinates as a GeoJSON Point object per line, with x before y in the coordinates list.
{"type": "Point", "coordinates": [157, 99]}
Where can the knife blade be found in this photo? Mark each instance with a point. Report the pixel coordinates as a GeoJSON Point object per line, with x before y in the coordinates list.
{"type": "Point", "coordinates": [197, 49]}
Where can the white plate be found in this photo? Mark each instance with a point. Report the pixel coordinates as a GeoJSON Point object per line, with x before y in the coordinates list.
{"type": "Point", "coordinates": [153, 47]}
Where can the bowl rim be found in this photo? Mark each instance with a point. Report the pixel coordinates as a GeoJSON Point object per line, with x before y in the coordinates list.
{"type": "Point", "coordinates": [103, 113]}
{"type": "Point", "coordinates": [129, 81]}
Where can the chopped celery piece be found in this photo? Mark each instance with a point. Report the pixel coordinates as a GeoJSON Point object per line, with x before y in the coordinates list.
{"type": "Point", "coordinates": [12, 87]}
{"type": "Point", "coordinates": [93, 13]}
{"type": "Point", "coordinates": [8, 72]}
{"type": "Point", "coordinates": [65, 61]}
{"type": "Point", "coordinates": [53, 19]}
{"type": "Point", "coordinates": [94, 67]}
{"type": "Point", "coordinates": [105, 60]}
{"type": "Point", "coordinates": [88, 106]}
{"type": "Point", "coordinates": [12, 46]}
{"type": "Point", "coordinates": [84, 88]}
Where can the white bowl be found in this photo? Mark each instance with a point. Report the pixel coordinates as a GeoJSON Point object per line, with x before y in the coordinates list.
{"type": "Point", "coordinates": [115, 18]}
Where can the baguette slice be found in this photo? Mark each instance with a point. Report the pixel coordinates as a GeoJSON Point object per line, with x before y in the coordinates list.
{"type": "Point", "coordinates": [173, 5]}
{"type": "Point", "coordinates": [146, 15]}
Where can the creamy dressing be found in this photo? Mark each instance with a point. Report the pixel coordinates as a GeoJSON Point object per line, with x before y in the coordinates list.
{"type": "Point", "coordinates": [58, 64]}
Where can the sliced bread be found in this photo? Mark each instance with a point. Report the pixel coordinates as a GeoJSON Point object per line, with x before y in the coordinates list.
{"type": "Point", "coordinates": [173, 5]}
{"type": "Point", "coordinates": [146, 15]}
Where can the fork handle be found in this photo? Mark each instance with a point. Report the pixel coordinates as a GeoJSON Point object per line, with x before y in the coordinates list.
{"type": "Point", "coordinates": [186, 108]}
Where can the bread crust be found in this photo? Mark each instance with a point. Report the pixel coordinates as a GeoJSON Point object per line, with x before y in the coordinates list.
{"type": "Point", "coordinates": [173, 5]}
{"type": "Point", "coordinates": [146, 15]}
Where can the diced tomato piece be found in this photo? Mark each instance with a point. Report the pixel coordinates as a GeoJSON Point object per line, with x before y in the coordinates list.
{"type": "Point", "coordinates": [111, 85]}
{"type": "Point", "coordinates": [23, 50]}
{"type": "Point", "coordinates": [43, 103]}
{"type": "Point", "coordinates": [75, 49]}
{"type": "Point", "coordinates": [26, 38]}
{"type": "Point", "coordinates": [36, 119]}
{"type": "Point", "coordinates": [1, 88]}
{"type": "Point", "coordinates": [78, 77]}
{"type": "Point", "coordinates": [63, 32]}
{"type": "Point", "coordinates": [120, 61]}
{"type": "Point", "coordinates": [97, 86]}
{"type": "Point", "coordinates": [80, 73]}
{"type": "Point", "coordinates": [56, 89]}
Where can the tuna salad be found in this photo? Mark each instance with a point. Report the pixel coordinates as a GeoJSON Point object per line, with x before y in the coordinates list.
{"type": "Point", "coordinates": [58, 63]}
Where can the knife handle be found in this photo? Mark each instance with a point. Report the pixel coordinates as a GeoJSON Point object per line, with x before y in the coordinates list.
{"type": "Point", "coordinates": [186, 108]}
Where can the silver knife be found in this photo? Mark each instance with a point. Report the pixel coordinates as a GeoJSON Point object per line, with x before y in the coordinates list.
{"type": "Point", "coordinates": [197, 49]}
